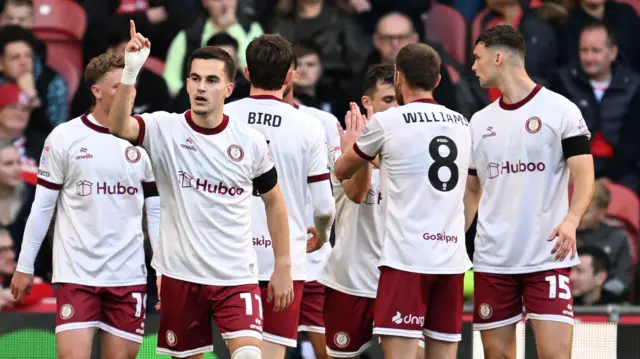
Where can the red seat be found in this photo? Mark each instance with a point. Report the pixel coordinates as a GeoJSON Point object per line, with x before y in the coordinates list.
{"type": "Point", "coordinates": [155, 65]}
{"type": "Point", "coordinates": [447, 26]}
{"type": "Point", "coordinates": [59, 20]}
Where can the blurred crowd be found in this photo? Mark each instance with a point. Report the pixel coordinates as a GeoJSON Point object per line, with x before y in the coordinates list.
{"type": "Point", "coordinates": [587, 50]}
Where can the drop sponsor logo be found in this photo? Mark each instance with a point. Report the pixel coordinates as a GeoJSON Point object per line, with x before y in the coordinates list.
{"type": "Point", "coordinates": [408, 319]}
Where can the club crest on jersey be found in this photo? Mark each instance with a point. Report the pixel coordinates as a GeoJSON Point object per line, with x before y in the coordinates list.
{"type": "Point", "coordinates": [485, 311]}
{"type": "Point", "coordinates": [235, 153]}
{"type": "Point", "coordinates": [341, 339]}
{"type": "Point", "coordinates": [66, 312]}
{"type": "Point", "coordinates": [172, 339]}
{"type": "Point", "coordinates": [132, 154]}
{"type": "Point", "coordinates": [533, 125]}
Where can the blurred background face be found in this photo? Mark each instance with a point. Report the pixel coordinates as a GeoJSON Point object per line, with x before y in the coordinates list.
{"type": "Point", "coordinates": [218, 8]}
{"type": "Point", "coordinates": [7, 256]}
{"type": "Point", "coordinates": [309, 70]}
{"type": "Point", "coordinates": [596, 54]}
{"type": "Point", "coordinates": [17, 15]}
{"type": "Point", "coordinates": [207, 86]}
{"type": "Point", "coordinates": [583, 280]}
{"type": "Point", "coordinates": [10, 168]}
{"type": "Point", "coordinates": [593, 216]}
{"type": "Point", "coordinates": [14, 120]}
{"type": "Point", "coordinates": [392, 34]}
{"type": "Point", "coordinates": [591, 3]}
{"type": "Point", "coordinates": [383, 98]}
{"type": "Point", "coordinates": [16, 60]}
{"type": "Point", "coordinates": [499, 4]}
{"type": "Point", "coordinates": [484, 66]}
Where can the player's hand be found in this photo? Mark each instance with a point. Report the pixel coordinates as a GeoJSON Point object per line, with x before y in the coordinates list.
{"type": "Point", "coordinates": [280, 288]}
{"type": "Point", "coordinates": [5, 298]}
{"type": "Point", "coordinates": [135, 54]}
{"type": "Point", "coordinates": [313, 243]}
{"type": "Point", "coordinates": [354, 123]}
{"type": "Point", "coordinates": [566, 243]}
{"type": "Point", "coordinates": [21, 285]}
{"type": "Point", "coordinates": [158, 284]}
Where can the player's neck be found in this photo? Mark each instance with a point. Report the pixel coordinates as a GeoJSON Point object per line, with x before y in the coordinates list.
{"type": "Point", "coordinates": [260, 92]}
{"type": "Point", "coordinates": [290, 99]}
{"type": "Point", "coordinates": [411, 96]}
{"type": "Point", "coordinates": [211, 120]}
{"type": "Point", "coordinates": [515, 86]}
{"type": "Point", "coordinates": [101, 116]}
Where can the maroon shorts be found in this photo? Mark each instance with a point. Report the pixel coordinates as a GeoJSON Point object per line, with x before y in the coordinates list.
{"type": "Point", "coordinates": [498, 298]}
{"type": "Point", "coordinates": [282, 327]}
{"type": "Point", "coordinates": [349, 323]}
{"type": "Point", "coordinates": [412, 304]}
{"type": "Point", "coordinates": [117, 310]}
{"type": "Point", "coordinates": [311, 308]}
{"type": "Point", "coordinates": [185, 315]}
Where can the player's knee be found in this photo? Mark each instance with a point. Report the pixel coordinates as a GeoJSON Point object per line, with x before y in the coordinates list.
{"type": "Point", "coordinates": [499, 352]}
{"type": "Point", "coordinates": [247, 352]}
{"type": "Point", "coordinates": [556, 351]}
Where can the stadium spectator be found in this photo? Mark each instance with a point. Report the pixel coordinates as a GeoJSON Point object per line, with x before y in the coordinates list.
{"type": "Point", "coordinates": [14, 116]}
{"type": "Point", "coordinates": [21, 13]}
{"type": "Point", "coordinates": [393, 32]}
{"type": "Point", "coordinates": [604, 89]}
{"type": "Point", "coordinates": [588, 278]}
{"type": "Point", "coordinates": [40, 289]}
{"type": "Point", "coordinates": [622, 19]}
{"type": "Point", "coordinates": [594, 231]}
{"type": "Point", "coordinates": [367, 12]}
{"type": "Point", "coordinates": [160, 19]}
{"type": "Point", "coordinates": [47, 90]}
{"type": "Point", "coordinates": [220, 17]}
{"type": "Point", "coordinates": [309, 88]}
{"type": "Point", "coordinates": [152, 94]}
{"type": "Point", "coordinates": [540, 36]}
{"type": "Point", "coordinates": [344, 45]}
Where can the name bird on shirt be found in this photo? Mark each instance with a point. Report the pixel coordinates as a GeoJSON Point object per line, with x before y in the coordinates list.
{"type": "Point", "coordinates": [434, 117]}
{"type": "Point", "coordinates": [267, 119]}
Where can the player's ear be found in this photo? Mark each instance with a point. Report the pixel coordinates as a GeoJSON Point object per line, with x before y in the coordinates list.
{"type": "Point", "coordinates": [296, 76]}
{"type": "Point", "coordinates": [289, 78]}
{"type": "Point", "coordinates": [438, 80]}
{"type": "Point", "coordinates": [95, 90]}
{"type": "Point", "coordinates": [229, 90]}
{"type": "Point", "coordinates": [245, 71]}
{"type": "Point", "coordinates": [366, 101]}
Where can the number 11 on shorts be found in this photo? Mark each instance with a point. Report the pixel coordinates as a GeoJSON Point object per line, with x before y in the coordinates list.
{"type": "Point", "coordinates": [248, 305]}
{"type": "Point", "coordinates": [558, 286]}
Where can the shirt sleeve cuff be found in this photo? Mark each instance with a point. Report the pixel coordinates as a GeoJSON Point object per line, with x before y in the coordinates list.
{"type": "Point", "coordinates": [362, 154]}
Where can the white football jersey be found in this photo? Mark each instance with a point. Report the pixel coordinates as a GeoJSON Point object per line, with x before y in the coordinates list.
{"type": "Point", "coordinates": [205, 179]}
{"type": "Point", "coordinates": [297, 144]}
{"type": "Point", "coordinates": [316, 260]}
{"type": "Point", "coordinates": [517, 156]}
{"type": "Point", "coordinates": [425, 149]}
{"type": "Point", "coordinates": [98, 239]}
{"type": "Point", "coordinates": [352, 266]}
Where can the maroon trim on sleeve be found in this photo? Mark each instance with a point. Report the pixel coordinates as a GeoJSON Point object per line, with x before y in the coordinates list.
{"type": "Point", "coordinates": [362, 154]}
{"type": "Point", "coordinates": [49, 185]}
{"type": "Point", "coordinates": [318, 178]}
{"type": "Point", "coordinates": [141, 131]}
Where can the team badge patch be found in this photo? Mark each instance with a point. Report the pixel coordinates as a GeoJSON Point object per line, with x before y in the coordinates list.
{"type": "Point", "coordinates": [172, 339]}
{"type": "Point", "coordinates": [66, 312]}
{"type": "Point", "coordinates": [132, 154]}
{"type": "Point", "coordinates": [341, 339]}
{"type": "Point", "coordinates": [485, 311]}
{"type": "Point", "coordinates": [533, 125]}
{"type": "Point", "coordinates": [235, 153]}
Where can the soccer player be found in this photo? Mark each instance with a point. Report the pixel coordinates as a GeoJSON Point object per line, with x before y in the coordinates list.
{"type": "Point", "coordinates": [206, 166]}
{"type": "Point", "coordinates": [525, 144]}
{"type": "Point", "coordinates": [424, 149]}
{"type": "Point", "coordinates": [98, 184]}
{"type": "Point", "coordinates": [351, 273]}
{"type": "Point", "coordinates": [297, 143]}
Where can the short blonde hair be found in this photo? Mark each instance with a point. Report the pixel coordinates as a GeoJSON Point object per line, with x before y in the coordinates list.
{"type": "Point", "coordinates": [601, 194]}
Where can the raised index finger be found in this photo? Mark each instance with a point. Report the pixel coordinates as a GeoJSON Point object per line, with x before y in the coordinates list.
{"type": "Point", "coordinates": [132, 29]}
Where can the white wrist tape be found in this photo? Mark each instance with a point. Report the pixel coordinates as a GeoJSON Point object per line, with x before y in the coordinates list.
{"type": "Point", "coordinates": [129, 76]}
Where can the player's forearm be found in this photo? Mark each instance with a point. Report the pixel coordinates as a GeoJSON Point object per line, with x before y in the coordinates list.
{"type": "Point", "coordinates": [121, 123]}
{"type": "Point", "coordinates": [583, 187]}
{"type": "Point", "coordinates": [348, 164]}
{"type": "Point", "coordinates": [357, 187]}
{"type": "Point", "coordinates": [324, 208]}
{"type": "Point", "coordinates": [36, 229]}
{"type": "Point", "coordinates": [376, 161]}
{"type": "Point", "coordinates": [471, 199]}
{"type": "Point", "coordinates": [278, 230]}
{"type": "Point", "coordinates": [152, 205]}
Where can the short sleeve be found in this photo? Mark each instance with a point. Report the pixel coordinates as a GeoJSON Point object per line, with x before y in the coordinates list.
{"type": "Point", "coordinates": [318, 166]}
{"type": "Point", "coordinates": [370, 141]}
{"type": "Point", "coordinates": [573, 124]}
{"type": "Point", "coordinates": [149, 129]}
{"type": "Point", "coordinates": [52, 170]}
{"type": "Point", "coordinates": [472, 164]}
{"type": "Point", "coordinates": [263, 161]}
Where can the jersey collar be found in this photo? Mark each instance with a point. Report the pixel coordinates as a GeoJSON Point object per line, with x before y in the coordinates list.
{"type": "Point", "coordinates": [266, 97]}
{"type": "Point", "coordinates": [425, 100]}
{"type": "Point", "coordinates": [207, 131]}
{"type": "Point", "coordinates": [517, 105]}
{"type": "Point", "coordinates": [90, 122]}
